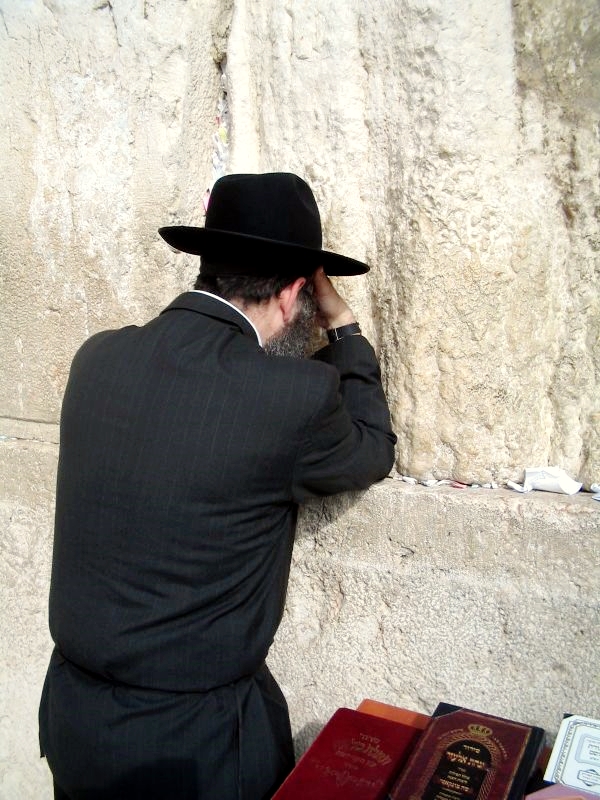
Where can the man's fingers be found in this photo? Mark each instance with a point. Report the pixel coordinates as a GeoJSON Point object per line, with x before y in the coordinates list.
{"type": "Point", "coordinates": [332, 309]}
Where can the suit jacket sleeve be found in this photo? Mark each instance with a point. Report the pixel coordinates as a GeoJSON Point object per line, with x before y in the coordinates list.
{"type": "Point", "coordinates": [349, 442]}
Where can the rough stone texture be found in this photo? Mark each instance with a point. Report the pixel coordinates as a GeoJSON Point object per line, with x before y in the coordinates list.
{"type": "Point", "coordinates": [27, 476]}
{"type": "Point", "coordinates": [110, 109]}
{"type": "Point", "coordinates": [471, 188]}
{"type": "Point", "coordinates": [410, 595]}
{"type": "Point", "coordinates": [455, 146]}
{"type": "Point", "coordinates": [557, 58]}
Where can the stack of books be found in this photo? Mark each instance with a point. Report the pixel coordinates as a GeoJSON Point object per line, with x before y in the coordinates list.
{"type": "Point", "coordinates": [382, 752]}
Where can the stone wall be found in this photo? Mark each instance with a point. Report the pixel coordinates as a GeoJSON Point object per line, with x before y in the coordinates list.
{"type": "Point", "coordinates": [454, 146]}
{"type": "Point", "coordinates": [411, 596]}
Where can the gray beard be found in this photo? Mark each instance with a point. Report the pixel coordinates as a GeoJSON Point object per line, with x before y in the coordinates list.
{"type": "Point", "coordinates": [294, 340]}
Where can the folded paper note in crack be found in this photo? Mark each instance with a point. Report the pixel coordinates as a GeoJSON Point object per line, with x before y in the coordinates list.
{"type": "Point", "coordinates": [547, 479]}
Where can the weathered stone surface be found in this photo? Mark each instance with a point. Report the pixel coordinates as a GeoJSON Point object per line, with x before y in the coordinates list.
{"type": "Point", "coordinates": [27, 477]}
{"type": "Point", "coordinates": [110, 110]}
{"type": "Point", "coordinates": [484, 598]}
{"type": "Point", "coordinates": [557, 47]}
{"type": "Point", "coordinates": [472, 192]}
{"type": "Point", "coordinates": [452, 145]}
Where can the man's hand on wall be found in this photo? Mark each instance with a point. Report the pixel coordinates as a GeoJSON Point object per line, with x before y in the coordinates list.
{"type": "Point", "coordinates": [332, 310]}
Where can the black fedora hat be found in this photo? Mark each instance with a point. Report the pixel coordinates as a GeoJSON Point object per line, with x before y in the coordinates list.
{"type": "Point", "coordinates": [261, 225]}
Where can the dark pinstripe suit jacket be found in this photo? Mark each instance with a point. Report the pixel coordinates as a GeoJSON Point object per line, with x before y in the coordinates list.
{"type": "Point", "coordinates": [184, 453]}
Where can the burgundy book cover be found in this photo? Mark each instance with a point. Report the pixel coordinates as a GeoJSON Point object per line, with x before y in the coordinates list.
{"type": "Point", "coordinates": [471, 755]}
{"type": "Point", "coordinates": [355, 757]}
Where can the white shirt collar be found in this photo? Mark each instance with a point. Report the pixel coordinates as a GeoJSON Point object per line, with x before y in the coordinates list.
{"type": "Point", "coordinates": [235, 308]}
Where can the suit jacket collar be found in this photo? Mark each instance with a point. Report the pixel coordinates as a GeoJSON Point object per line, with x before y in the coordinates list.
{"type": "Point", "coordinates": [212, 306]}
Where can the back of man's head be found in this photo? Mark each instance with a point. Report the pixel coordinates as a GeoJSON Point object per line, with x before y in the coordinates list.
{"type": "Point", "coordinates": [247, 289]}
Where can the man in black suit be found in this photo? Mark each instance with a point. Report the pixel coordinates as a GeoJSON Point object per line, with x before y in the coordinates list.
{"type": "Point", "coordinates": [186, 446]}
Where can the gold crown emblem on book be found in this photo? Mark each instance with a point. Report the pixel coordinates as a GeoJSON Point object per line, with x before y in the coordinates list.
{"type": "Point", "coordinates": [479, 730]}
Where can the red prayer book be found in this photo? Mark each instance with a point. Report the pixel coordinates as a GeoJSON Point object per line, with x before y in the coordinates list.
{"type": "Point", "coordinates": [355, 757]}
{"type": "Point", "coordinates": [468, 755]}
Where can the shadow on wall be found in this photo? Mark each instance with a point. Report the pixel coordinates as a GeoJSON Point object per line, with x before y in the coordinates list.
{"type": "Point", "coordinates": [314, 515]}
{"type": "Point", "coordinates": [306, 736]}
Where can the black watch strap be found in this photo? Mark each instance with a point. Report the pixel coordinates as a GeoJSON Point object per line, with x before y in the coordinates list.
{"type": "Point", "coordinates": [335, 334]}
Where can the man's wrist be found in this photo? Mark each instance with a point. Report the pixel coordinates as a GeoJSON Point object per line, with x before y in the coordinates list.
{"type": "Point", "coordinates": [346, 317]}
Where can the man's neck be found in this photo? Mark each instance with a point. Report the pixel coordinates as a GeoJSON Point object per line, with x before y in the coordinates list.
{"type": "Point", "coordinates": [263, 315]}
{"type": "Point", "coordinates": [240, 308]}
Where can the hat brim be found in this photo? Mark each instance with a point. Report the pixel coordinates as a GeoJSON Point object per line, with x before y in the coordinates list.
{"type": "Point", "coordinates": [240, 254]}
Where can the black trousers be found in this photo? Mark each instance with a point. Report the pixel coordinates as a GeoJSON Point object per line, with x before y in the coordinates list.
{"type": "Point", "coordinates": [109, 742]}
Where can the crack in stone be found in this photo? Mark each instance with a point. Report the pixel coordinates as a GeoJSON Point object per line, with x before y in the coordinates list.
{"type": "Point", "coordinates": [107, 4]}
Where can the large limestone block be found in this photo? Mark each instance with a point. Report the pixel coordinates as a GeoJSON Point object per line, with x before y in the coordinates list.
{"type": "Point", "coordinates": [470, 187]}
{"type": "Point", "coordinates": [557, 48]}
{"type": "Point", "coordinates": [452, 145]}
{"type": "Point", "coordinates": [488, 599]}
{"type": "Point", "coordinates": [109, 111]}
{"type": "Point", "coordinates": [27, 477]}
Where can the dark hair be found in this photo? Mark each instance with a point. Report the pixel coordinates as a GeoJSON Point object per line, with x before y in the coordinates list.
{"type": "Point", "coordinates": [247, 288]}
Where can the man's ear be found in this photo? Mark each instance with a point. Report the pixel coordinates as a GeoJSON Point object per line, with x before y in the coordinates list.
{"type": "Point", "coordinates": [287, 298]}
